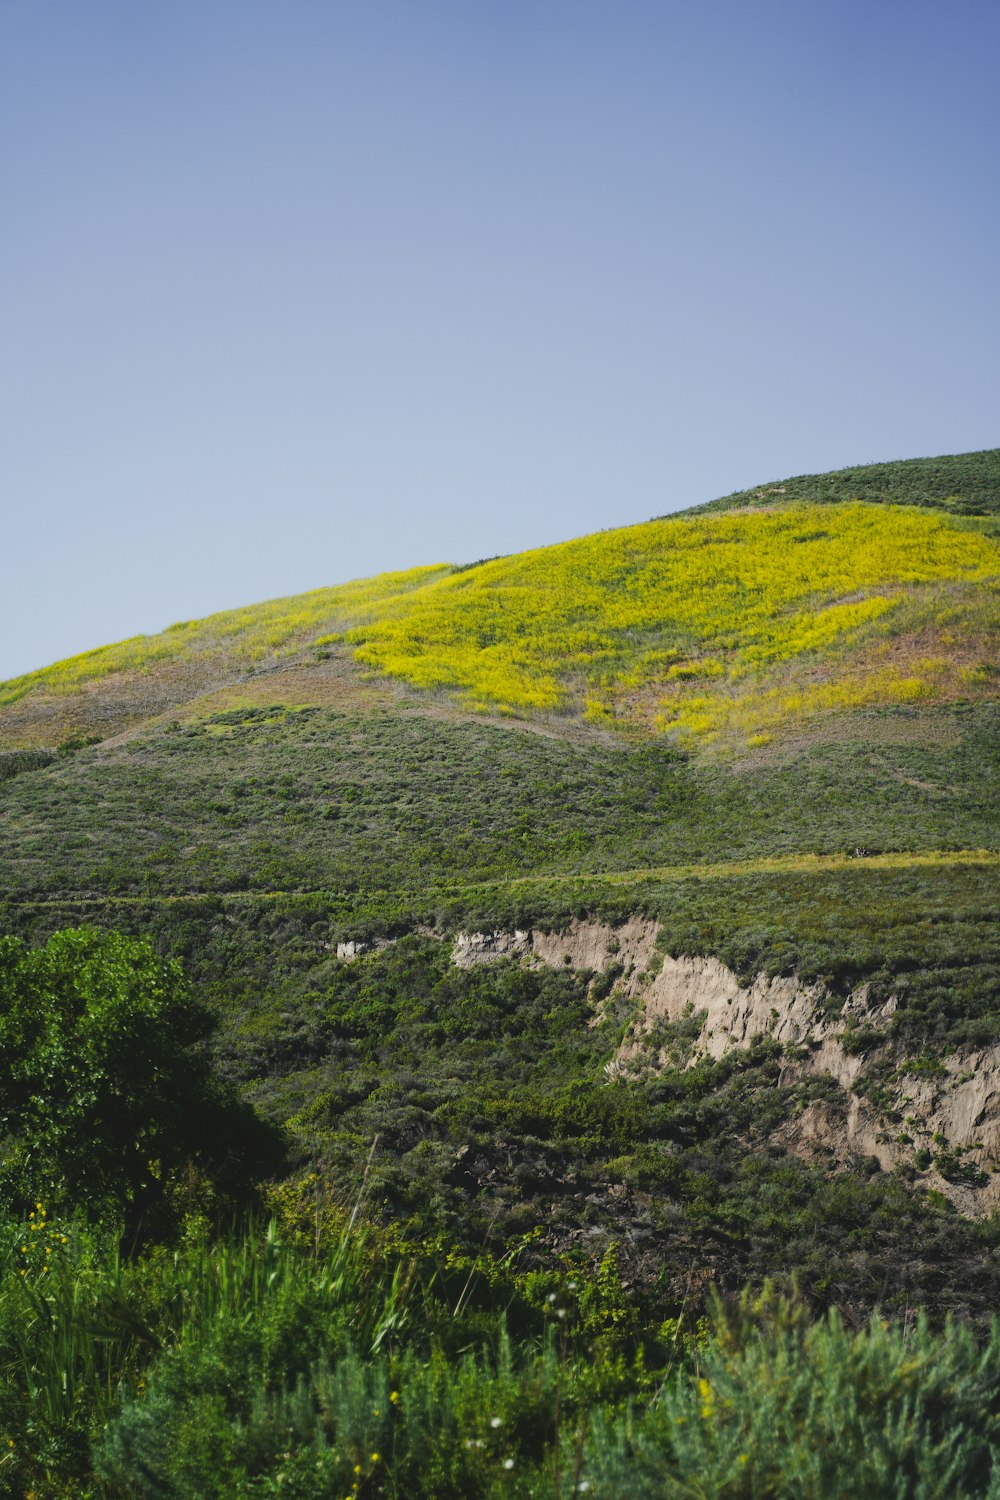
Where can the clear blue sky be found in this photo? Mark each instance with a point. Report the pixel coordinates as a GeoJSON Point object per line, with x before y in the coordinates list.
{"type": "Point", "coordinates": [297, 292]}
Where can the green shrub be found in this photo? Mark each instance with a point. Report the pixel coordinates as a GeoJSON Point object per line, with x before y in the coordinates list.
{"type": "Point", "coordinates": [785, 1408]}
{"type": "Point", "coordinates": [425, 1427]}
{"type": "Point", "coordinates": [105, 1098]}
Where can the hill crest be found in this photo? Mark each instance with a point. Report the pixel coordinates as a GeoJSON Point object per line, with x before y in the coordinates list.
{"type": "Point", "coordinates": [730, 623]}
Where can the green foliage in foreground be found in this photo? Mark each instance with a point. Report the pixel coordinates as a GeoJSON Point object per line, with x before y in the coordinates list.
{"type": "Point", "coordinates": [269, 1363]}
{"type": "Point", "coordinates": [786, 1409]}
{"type": "Point", "coordinates": [103, 1097]}
{"type": "Point", "coordinates": [339, 1354]}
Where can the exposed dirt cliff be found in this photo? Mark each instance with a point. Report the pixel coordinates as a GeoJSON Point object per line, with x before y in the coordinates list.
{"type": "Point", "coordinates": [938, 1121]}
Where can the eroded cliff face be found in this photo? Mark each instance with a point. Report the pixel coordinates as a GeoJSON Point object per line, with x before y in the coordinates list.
{"type": "Point", "coordinates": [583, 945]}
{"type": "Point", "coordinates": [593, 945]}
{"type": "Point", "coordinates": [938, 1121]}
{"type": "Point", "coordinates": [942, 1122]}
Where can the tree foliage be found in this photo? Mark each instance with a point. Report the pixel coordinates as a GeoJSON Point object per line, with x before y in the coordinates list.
{"type": "Point", "coordinates": [106, 1097]}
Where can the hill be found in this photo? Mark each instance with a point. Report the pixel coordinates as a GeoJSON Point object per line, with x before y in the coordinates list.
{"type": "Point", "coordinates": [959, 483]}
{"type": "Point", "coordinates": [753, 614]}
{"type": "Point", "coordinates": [637, 892]}
{"type": "Point", "coordinates": [551, 945]}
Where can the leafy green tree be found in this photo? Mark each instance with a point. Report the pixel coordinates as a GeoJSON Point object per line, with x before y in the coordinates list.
{"type": "Point", "coordinates": [108, 1100]}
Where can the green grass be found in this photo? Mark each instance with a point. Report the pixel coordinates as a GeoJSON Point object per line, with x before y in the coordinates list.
{"type": "Point", "coordinates": [335, 1361]}
{"type": "Point", "coordinates": [322, 1358]}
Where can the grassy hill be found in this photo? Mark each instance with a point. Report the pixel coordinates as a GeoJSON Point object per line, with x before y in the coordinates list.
{"type": "Point", "coordinates": [774, 609]}
{"type": "Point", "coordinates": [768, 727]}
{"type": "Point", "coordinates": [713, 798]}
{"type": "Point", "coordinates": [398, 799]}
{"type": "Point", "coordinates": [959, 483]}
{"type": "Point", "coordinates": [736, 624]}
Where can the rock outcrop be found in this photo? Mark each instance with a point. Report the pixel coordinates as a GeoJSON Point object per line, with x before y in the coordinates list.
{"type": "Point", "coordinates": [583, 945]}
{"type": "Point", "coordinates": [937, 1119]}
{"type": "Point", "coordinates": [471, 948]}
{"type": "Point", "coordinates": [940, 1119]}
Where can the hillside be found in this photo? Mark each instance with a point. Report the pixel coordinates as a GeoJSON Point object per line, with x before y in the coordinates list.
{"type": "Point", "coordinates": [637, 892]}
{"type": "Point", "coordinates": [552, 946]}
{"type": "Point", "coordinates": [733, 623]}
{"type": "Point", "coordinates": [959, 483]}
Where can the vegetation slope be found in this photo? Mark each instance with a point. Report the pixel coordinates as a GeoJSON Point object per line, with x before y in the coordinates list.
{"type": "Point", "coordinates": [732, 621]}
{"type": "Point", "coordinates": [767, 728]}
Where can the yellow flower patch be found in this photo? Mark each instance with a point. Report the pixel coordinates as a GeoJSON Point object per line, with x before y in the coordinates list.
{"type": "Point", "coordinates": [688, 624]}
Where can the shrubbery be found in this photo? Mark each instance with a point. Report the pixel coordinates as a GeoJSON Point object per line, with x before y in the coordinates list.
{"type": "Point", "coordinates": [269, 1365]}
{"type": "Point", "coordinates": [780, 1407]}
{"type": "Point", "coordinates": [107, 1103]}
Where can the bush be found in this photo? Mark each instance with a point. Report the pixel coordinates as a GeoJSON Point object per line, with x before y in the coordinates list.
{"type": "Point", "coordinates": [786, 1408]}
{"type": "Point", "coordinates": [427, 1428]}
{"type": "Point", "coordinates": [106, 1099]}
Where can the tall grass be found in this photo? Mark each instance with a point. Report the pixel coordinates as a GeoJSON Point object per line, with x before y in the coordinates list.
{"type": "Point", "coordinates": [255, 1366]}
{"type": "Point", "coordinates": [80, 1326]}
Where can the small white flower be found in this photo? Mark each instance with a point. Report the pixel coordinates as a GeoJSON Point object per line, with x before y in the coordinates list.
{"type": "Point", "coordinates": [552, 1296]}
{"type": "Point", "coordinates": [496, 1421]}
{"type": "Point", "coordinates": [508, 1463]}
{"type": "Point", "coordinates": [560, 1312]}
{"type": "Point", "coordinates": [572, 1285]}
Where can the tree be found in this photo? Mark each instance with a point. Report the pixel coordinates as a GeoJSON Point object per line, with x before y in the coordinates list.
{"type": "Point", "coordinates": [107, 1092]}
